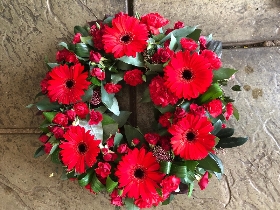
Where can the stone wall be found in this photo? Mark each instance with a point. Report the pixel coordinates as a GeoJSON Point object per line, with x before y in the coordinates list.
{"type": "Point", "coordinates": [30, 31]}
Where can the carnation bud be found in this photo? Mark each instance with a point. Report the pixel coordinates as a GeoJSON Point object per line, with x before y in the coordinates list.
{"type": "Point", "coordinates": [135, 141]}
{"type": "Point", "coordinates": [122, 148]}
{"type": "Point", "coordinates": [95, 56]}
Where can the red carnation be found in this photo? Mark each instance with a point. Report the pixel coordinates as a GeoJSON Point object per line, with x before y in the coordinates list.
{"type": "Point", "coordinates": [153, 200]}
{"type": "Point", "coordinates": [97, 32]}
{"type": "Point", "coordinates": [44, 83]}
{"type": "Point", "coordinates": [164, 119]}
{"type": "Point", "coordinates": [95, 56]}
{"type": "Point", "coordinates": [152, 138]}
{"type": "Point", "coordinates": [133, 77]}
{"type": "Point", "coordinates": [81, 109]}
{"type": "Point", "coordinates": [95, 117]}
{"type": "Point", "coordinates": [159, 93]}
{"type": "Point", "coordinates": [71, 114]}
{"type": "Point", "coordinates": [203, 182]}
{"type": "Point", "coordinates": [164, 142]}
{"type": "Point", "coordinates": [229, 111]}
{"type": "Point", "coordinates": [154, 21]}
{"type": "Point", "coordinates": [191, 137]}
{"type": "Point", "coordinates": [58, 132]}
{"type": "Point", "coordinates": [126, 37]}
{"type": "Point", "coordinates": [212, 58]}
{"type": "Point", "coordinates": [188, 44]}
{"type": "Point", "coordinates": [179, 114]}
{"type": "Point", "coordinates": [162, 55]}
{"type": "Point", "coordinates": [112, 88]}
{"type": "Point", "coordinates": [187, 75]}
{"type": "Point", "coordinates": [44, 138]}
{"type": "Point", "coordinates": [67, 84]}
{"type": "Point", "coordinates": [214, 107]}
{"type": "Point", "coordinates": [67, 56]}
{"type": "Point", "coordinates": [110, 156]}
{"type": "Point", "coordinates": [97, 72]}
{"type": "Point", "coordinates": [197, 110]}
{"type": "Point", "coordinates": [103, 170]}
{"type": "Point", "coordinates": [169, 184]}
{"type": "Point", "coordinates": [60, 119]}
{"type": "Point", "coordinates": [77, 38]}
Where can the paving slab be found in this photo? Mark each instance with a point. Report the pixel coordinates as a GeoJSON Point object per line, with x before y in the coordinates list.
{"type": "Point", "coordinates": [30, 31]}
{"type": "Point", "coordinates": [228, 21]}
{"type": "Point", "coordinates": [251, 178]}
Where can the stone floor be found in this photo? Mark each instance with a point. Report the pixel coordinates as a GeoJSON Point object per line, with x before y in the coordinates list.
{"type": "Point", "coordinates": [30, 31]}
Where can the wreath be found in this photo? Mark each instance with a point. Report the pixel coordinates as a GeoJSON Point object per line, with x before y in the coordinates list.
{"type": "Point", "coordinates": [85, 131]}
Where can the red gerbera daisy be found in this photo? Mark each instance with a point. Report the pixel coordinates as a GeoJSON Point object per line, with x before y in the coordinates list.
{"type": "Point", "coordinates": [67, 85]}
{"type": "Point", "coordinates": [126, 37]}
{"type": "Point", "coordinates": [139, 174]}
{"type": "Point", "coordinates": [188, 75]}
{"type": "Point", "coordinates": [80, 150]}
{"type": "Point", "coordinates": [191, 137]}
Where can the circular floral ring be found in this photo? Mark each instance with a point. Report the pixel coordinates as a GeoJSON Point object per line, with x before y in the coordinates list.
{"type": "Point", "coordinates": [85, 131]}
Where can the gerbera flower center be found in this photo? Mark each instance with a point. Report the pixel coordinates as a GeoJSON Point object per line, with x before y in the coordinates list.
{"type": "Point", "coordinates": [69, 84]}
{"type": "Point", "coordinates": [190, 135]}
{"type": "Point", "coordinates": [82, 148]}
{"type": "Point", "coordinates": [126, 38]}
{"type": "Point", "coordinates": [187, 74]}
{"type": "Point", "coordinates": [139, 173]}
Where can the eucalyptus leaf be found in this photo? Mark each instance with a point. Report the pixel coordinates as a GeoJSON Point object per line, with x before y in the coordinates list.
{"type": "Point", "coordinates": [217, 127]}
{"type": "Point", "coordinates": [173, 42]}
{"type": "Point", "coordinates": [95, 130]}
{"type": "Point", "coordinates": [117, 139]}
{"type": "Point", "coordinates": [195, 34]}
{"type": "Point", "coordinates": [107, 120]}
{"type": "Point", "coordinates": [235, 113]}
{"type": "Point", "coordinates": [117, 77]}
{"type": "Point", "coordinates": [54, 146]}
{"type": "Point", "coordinates": [122, 118]}
{"type": "Point", "coordinates": [46, 105]}
{"type": "Point", "coordinates": [215, 46]}
{"type": "Point", "coordinates": [115, 107]}
{"type": "Point", "coordinates": [63, 44]}
{"type": "Point", "coordinates": [106, 98]}
{"type": "Point", "coordinates": [129, 204]}
{"type": "Point", "coordinates": [109, 130]}
{"type": "Point", "coordinates": [88, 95]}
{"type": "Point", "coordinates": [179, 33]}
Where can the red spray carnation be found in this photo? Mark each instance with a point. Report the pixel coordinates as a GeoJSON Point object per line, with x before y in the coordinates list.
{"type": "Point", "coordinates": [110, 141]}
{"type": "Point", "coordinates": [97, 33]}
{"type": "Point", "coordinates": [178, 25]}
{"type": "Point", "coordinates": [122, 148]}
{"type": "Point", "coordinates": [110, 156]}
{"type": "Point", "coordinates": [154, 21]}
{"type": "Point", "coordinates": [164, 142]}
{"type": "Point", "coordinates": [203, 182]}
{"type": "Point", "coordinates": [71, 114]}
{"type": "Point", "coordinates": [95, 56]}
{"type": "Point", "coordinates": [187, 75]}
{"type": "Point", "coordinates": [154, 200]}
{"type": "Point", "coordinates": [197, 110]}
{"type": "Point", "coordinates": [160, 95]}
{"type": "Point", "coordinates": [88, 187]}
{"type": "Point", "coordinates": [95, 117]}
{"type": "Point", "coordinates": [79, 150]}
{"type": "Point", "coordinates": [77, 38]}
{"type": "Point", "coordinates": [133, 77]}
{"type": "Point", "coordinates": [188, 44]}
{"type": "Point", "coordinates": [212, 58]}
{"type": "Point", "coordinates": [126, 37]}
{"type": "Point", "coordinates": [112, 88]}
{"type": "Point", "coordinates": [67, 56]}
{"type": "Point", "coordinates": [103, 169]}
{"type": "Point", "coordinates": [57, 131]}
{"type": "Point", "coordinates": [214, 107]}
{"type": "Point", "coordinates": [97, 72]}
{"type": "Point", "coordinates": [67, 84]}
{"type": "Point", "coordinates": [81, 109]}
{"type": "Point", "coordinates": [179, 114]}
{"type": "Point", "coordinates": [191, 137]}
{"type": "Point", "coordinates": [229, 111]}
{"type": "Point", "coordinates": [48, 147]}
{"type": "Point", "coordinates": [135, 141]}
{"type": "Point", "coordinates": [152, 138]}
{"type": "Point", "coordinates": [162, 55]}
{"type": "Point", "coordinates": [116, 199]}
{"type": "Point", "coordinates": [60, 119]}
{"type": "Point", "coordinates": [202, 42]}
{"type": "Point", "coordinates": [169, 184]}
{"type": "Point", "coordinates": [44, 138]}
{"type": "Point", "coordinates": [44, 83]}
{"type": "Point", "coordinates": [164, 119]}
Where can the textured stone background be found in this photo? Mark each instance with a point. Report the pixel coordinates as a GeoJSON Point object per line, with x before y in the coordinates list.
{"type": "Point", "coordinates": [30, 31]}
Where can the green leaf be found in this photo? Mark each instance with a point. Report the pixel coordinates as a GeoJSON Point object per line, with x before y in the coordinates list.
{"type": "Point", "coordinates": [235, 113]}
{"type": "Point", "coordinates": [155, 67]}
{"type": "Point", "coordinates": [146, 96]}
{"type": "Point", "coordinates": [101, 109]}
{"type": "Point", "coordinates": [117, 77]}
{"type": "Point", "coordinates": [123, 66]}
{"type": "Point", "coordinates": [231, 142]}
{"type": "Point", "coordinates": [95, 81]}
{"type": "Point", "coordinates": [39, 152]}
{"type": "Point", "coordinates": [107, 120]}
{"type": "Point", "coordinates": [165, 109]}
{"type": "Point", "coordinates": [54, 146]}
{"type": "Point", "coordinates": [165, 167]}
{"type": "Point", "coordinates": [129, 204]}
{"type": "Point", "coordinates": [191, 164]}
{"type": "Point", "coordinates": [173, 42]}
{"type": "Point", "coordinates": [220, 164]}
{"type": "Point", "coordinates": [158, 37]}
{"type": "Point", "coordinates": [96, 185]}
{"type": "Point", "coordinates": [110, 184]}
{"type": "Point", "coordinates": [209, 163]}
{"type": "Point", "coordinates": [82, 50]}
{"type": "Point", "coordinates": [137, 61]}
{"type": "Point", "coordinates": [81, 30]}
{"type": "Point", "coordinates": [215, 46]}
{"type": "Point", "coordinates": [195, 35]}
{"type": "Point", "coordinates": [122, 118]}
{"type": "Point", "coordinates": [168, 200]}
{"type": "Point", "coordinates": [63, 44]}
{"type": "Point", "coordinates": [87, 40]}
{"type": "Point", "coordinates": [88, 95]}
{"type": "Point", "coordinates": [49, 115]}
{"type": "Point", "coordinates": [46, 105]}
{"type": "Point", "coordinates": [108, 21]}
{"type": "Point", "coordinates": [213, 92]}
{"type": "Point", "coordinates": [106, 98]}
{"type": "Point", "coordinates": [131, 133]}
{"type": "Point", "coordinates": [52, 65]}
{"type": "Point", "coordinates": [225, 132]}
{"type": "Point", "coordinates": [115, 107]}
{"type": "Point", "coordinates": [236, 88]}
{"type": "Point", "coordinates": [179, 171]}
{"type": "Point", "coordinates": [223, 73]}
{"type": "Point", "coordinates": [55, 156]}
{"type": "Point", "coordinates": [179, 33]}
{"type": "Point", "coordinates": [109, 130]}
{"type": "Point", "coordinates": [217, 127]}
{"type": "Point", "coordinates": [85, 178]}
{"type": "Point", "coordinates": [117, 139]}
